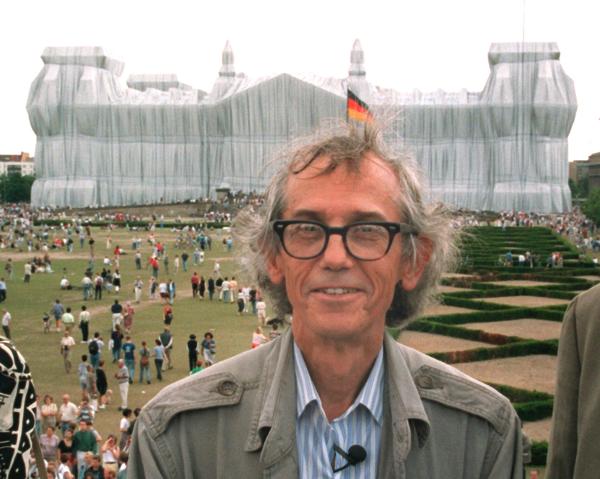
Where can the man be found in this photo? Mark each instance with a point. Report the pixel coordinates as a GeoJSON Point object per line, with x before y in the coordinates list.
{"type": "Point", "coordinates": [65, 283]}
{"type": "Point", "coordinates": [27, 270]}
{"type": "Point", "coordinates": [6, 319]}
{"type": "Point", "coordinates": [87, 284]}
{"type": "Point", "coordinates": [137, 289]}
{"type": "Point", "coordinates": [98, 283]}
{"type": "Point", "coordinates": [8, 268]}
{"type": "Point", "coordinates": [68, 320]}
{"type": "Point", "coordinates": [575, 428]}
{"type": "Point", "coordinates": [57, 310]}
{"type": "Point", "coordinates": [129, 357]}
{"type": "Point", "coordinates": [66, 349]}
{"type": "Point", "coordinates": [261, 312]}
{"type": "Point", "coordinates": [192, 347]}
{"type": "Point", "coordinates": [84, 441]}
{"type": "Point", "coordinates": [67, 413]}
{"type": "Point", "coordinates": [195, 282]}
{"type": "Point", "coordinates": [95, 471]}
{"type": "Point", "coordinates": [122, 377]}
{"type": "Point", "coordinates": [138, 260]}
{"type": "Point", "coordinates": [225, 290]}
{"type": "Point", "coordinates": [345, 242]}
{"type": "Point", "coordinates": [84, 324]}
{"type": "Point", "coordinates": [49, 444]}
{"type": "Point", "coordinates": [95, 346]}
{"type": "Point", "coordinates": [166, 340]}
{"type": "Point", "coordinates": [117, 314]}
{"type": "Point", "coordinates": [233, 290]}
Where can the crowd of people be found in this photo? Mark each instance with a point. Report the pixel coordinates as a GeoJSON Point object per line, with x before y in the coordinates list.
{"type": "Point", "coordinates": [71, 445]}
{"type": "Point", "coordinates": [115, 357]}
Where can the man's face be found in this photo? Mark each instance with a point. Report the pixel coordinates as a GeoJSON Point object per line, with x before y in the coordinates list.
{"type": "Point", "coordinates": [367, 287]}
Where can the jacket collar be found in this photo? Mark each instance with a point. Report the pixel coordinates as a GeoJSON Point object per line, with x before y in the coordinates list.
{"type": "Point", "coordinates": [273, 422]}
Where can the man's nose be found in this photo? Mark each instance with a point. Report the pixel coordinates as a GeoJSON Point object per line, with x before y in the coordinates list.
{"type": "Point", "coordinates": [335, 255]}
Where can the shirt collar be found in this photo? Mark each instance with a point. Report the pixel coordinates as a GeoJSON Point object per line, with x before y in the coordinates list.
{"type": "Point", "coordinates": [370, 395]}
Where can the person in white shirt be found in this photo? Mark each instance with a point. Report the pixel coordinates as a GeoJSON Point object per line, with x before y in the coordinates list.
{"type": "Point", "coordinates": [6, 319]}
{"type": "Point", "coordinates": [225, 290]}
{"type": "Point", "coordinates": [137, 289]}
{"type": "Point", "coordinates": [84, 324]}
{"type": "Point", "coordinates": [64, 283]}
{"type": "Point", "coordinates": [163, 291]}
{"type": "Point", "coordinates": [63, 471]}
{"type": "Point", "coordinates": [66, 348]}
{"type": "Point", "coordinates": [67, 413]}
{"type": "Point", "coordinates": [110, 454]}
{"type": "Point", "coordinates": [122, 376]}
{"type": "Point", "coordinates": [261, 312]}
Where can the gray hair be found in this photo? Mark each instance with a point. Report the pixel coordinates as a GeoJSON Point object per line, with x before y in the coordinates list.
{"type": "Point", "coordinates": [348, 147]}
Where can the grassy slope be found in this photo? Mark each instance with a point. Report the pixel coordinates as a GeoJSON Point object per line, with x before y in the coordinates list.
{"type": "Point", "coordinates": [27, 302]}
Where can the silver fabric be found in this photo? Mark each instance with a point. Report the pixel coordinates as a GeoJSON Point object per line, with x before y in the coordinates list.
{"type": "Point", "coordinates": [100, 142]}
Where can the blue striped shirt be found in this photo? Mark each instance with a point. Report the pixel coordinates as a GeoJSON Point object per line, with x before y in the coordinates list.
{"type": "Point", "coordinates": [360, 424]}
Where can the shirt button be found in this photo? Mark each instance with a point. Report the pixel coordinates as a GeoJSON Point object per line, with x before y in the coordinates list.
{"type": "Point", "coordinates": [227, 388]}
{"type": "Point", "coordinates": [425, 382]}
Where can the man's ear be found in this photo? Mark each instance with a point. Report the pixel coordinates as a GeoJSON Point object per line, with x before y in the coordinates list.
{"type": "Point", "coordinates": [413, 271]}
{"type": "Point", "coordinates": [274, 270]}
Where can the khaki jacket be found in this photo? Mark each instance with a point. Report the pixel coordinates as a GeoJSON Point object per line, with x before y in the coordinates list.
{"type": "Point", "coordinates": [237, 419]}
{"type": "Point", "coordinates": [574, 452]}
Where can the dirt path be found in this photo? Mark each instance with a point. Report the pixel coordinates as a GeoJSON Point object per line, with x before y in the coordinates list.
{"type": "Point", "coordinates": [535, 372]}
{"type": "Point", "coordinates": [524, 328]}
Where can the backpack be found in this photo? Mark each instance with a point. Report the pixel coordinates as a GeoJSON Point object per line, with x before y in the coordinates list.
{"type": "Point", "coordinates": [144, 357]}
{"type": "Point", "coordinates": [93, 347]}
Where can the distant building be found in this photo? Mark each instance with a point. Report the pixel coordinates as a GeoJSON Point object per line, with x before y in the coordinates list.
{"type": "Point", "coordinates": [593, 172]}
{"type": "Point", "coordinates": [586, 169]}
{"type": "Point", "coordinates": [578, 170]}
{"type": "Point", "coordinates": [20, 163]}
{"type": "Point", "coordinates": [100, 142]}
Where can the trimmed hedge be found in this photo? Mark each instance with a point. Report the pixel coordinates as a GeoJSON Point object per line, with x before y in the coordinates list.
{"type": "Point", "coordinates": [463, 333]}
{"type": "Point", "coordinates": [480, 316]}
{"type": "Point", "coordinates": [535, 410]}
{"type": "Point", "coordinates": [499, 291]}
{"type": "Point", "coordinates": [514, 349]}
{"type": "Point", "coordinates": [143, 224]}
{"type": "Point", "coordinates": [548, 314]}
{"type": "Point", "coordinates": [517, 395]}
{"type": "Point", "coordinates": [471, 304]}
{"type": "Point", "coordinates": [539, 453]}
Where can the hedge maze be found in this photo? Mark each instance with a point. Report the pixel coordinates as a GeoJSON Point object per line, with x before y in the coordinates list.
{"type": "Point", "coordinates": [495, 284]}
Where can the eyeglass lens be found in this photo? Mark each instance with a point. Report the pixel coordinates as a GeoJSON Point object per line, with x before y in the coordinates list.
{"type": "Point", "coordinates": [364, 241]}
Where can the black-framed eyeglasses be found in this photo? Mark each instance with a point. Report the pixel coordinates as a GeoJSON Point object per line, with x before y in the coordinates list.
{"type": "Point", "coordinates": [365, 240]}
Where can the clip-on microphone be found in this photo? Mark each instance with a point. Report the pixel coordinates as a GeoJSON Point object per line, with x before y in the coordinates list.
{"type": "Point", "coordinates": [355, 455]}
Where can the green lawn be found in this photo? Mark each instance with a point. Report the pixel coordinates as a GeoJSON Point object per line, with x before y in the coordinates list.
{"type": "Point", "coordinates": [27, 302]}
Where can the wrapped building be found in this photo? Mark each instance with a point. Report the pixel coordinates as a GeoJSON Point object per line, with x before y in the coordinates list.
{"type": "Point", "coordinates": [100, 142]}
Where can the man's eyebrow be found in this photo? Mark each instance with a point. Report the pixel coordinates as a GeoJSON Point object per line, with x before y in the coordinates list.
{"type": "Point", "coordinates": [358, 216]}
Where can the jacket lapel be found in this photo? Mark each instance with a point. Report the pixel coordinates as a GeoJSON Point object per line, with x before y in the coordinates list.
{"type": "Point", "coordinates": [273, 427]}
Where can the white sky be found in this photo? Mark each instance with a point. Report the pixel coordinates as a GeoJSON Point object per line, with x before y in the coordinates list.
{"type": "Point", "coordinates": [424, 44]}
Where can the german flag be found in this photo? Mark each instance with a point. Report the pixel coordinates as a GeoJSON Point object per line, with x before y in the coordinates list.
{"type": "Point", "coordinates": [357, 109]}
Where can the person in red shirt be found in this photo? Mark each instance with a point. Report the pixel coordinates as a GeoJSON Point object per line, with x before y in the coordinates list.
{"type": "Point", "coordinates": [167, 314]}
{"type": "Point", "coordinates": [195, 282]}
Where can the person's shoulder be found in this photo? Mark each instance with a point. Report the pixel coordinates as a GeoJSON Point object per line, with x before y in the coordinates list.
{"type": "Point", "coordinates": [220, 385]}
{"type": "Point", "coordinates": [445, 385]}
{"type": "Point", "coordinates": [588, 299]}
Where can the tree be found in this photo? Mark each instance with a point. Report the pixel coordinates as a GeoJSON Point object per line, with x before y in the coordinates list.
{"type": "Point", "coordinates": [591, 208]}
{"type": "Point", "coordinates": [579, 188]}
{"type": "Point", "coordinates": [15, 188]}
{"type": "Point", "coordinates": [573, 188]}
